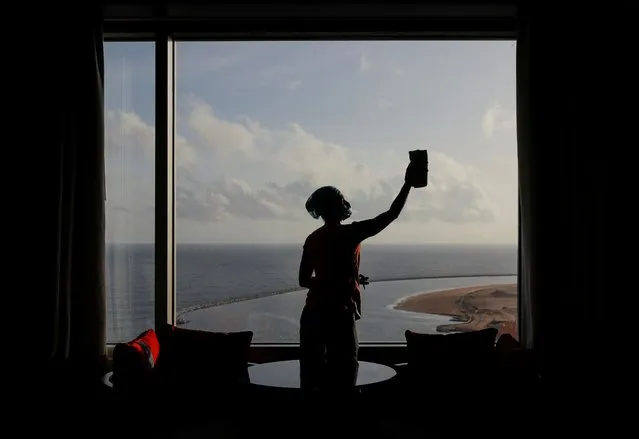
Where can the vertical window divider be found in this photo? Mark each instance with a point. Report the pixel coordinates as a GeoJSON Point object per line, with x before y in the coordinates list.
{"type": "Point", "coordinates": [165, 311]}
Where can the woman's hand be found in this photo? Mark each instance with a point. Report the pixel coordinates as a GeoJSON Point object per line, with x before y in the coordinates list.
{"type": "Point", "coordinates": [410, 174]}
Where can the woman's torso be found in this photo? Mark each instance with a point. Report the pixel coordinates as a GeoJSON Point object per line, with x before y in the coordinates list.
{"type": "Point", "coordinates": [335, 257]}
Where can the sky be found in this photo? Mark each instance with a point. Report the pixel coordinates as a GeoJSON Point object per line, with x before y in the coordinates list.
{"type": "Point", "coordinates": [260, 125]}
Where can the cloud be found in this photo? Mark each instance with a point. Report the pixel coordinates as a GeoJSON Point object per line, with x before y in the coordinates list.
{"type": "Point", "coordinates": [364, 64]}
{"type": "Point", "coordinates": [453, 197]}
{"type": "Point", "coordinates": [294, 85]}
{"type": "Point", "coordinates": [128, 137]}
{"type": "Point", "coordinates": [496, 119]}
{"type": "Point", "coordinates": [229, 170]}
{"type": "Point", "coordinates": [223, 137]}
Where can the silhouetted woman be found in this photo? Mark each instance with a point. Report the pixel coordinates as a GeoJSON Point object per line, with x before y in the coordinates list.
{"type": "Point", "coordinates": [330, 270]}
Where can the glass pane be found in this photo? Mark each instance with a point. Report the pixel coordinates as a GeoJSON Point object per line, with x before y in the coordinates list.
{"type": "Point", "coordinates": [261, 125]}
{"type": "Point", "coordinates": [130, 204]}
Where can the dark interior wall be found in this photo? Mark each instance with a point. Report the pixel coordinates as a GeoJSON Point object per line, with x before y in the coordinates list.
{"type": "Point", "coordinates": [577, 90]}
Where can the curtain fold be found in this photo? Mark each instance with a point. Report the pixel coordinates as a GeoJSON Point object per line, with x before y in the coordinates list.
{"type": "Point", "coordinates": [553, 182]}
{"type": "Point", "coordinates": [529, 319]}
{"type": "Point", "coordinates": [77, 305]}
{"type": "Point", "coordinates": [573, 89]}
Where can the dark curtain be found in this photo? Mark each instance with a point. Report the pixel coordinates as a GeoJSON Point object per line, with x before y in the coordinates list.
{"type": "Point", "coordinates": [575, 100]}
{"type": "Point", "coordinates": [75, 298]}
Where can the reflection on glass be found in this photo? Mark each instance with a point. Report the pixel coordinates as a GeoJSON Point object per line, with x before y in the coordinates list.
{"type": "Point", "coordinates": [130, 202]}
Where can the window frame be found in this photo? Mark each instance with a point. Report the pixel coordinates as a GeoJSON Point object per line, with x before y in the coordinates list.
{"type": "Point", "coordinates": [165, 285]}
{"type": "Point", "coordinates": [492, 24]}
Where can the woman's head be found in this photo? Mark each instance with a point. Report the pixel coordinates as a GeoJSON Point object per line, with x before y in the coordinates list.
{"type": "Point", "coordinates": [328, 203]}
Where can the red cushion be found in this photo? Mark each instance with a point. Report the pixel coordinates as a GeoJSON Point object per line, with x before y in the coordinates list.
{"type": "Point", "coordinates": [141, 352]}
{"type": "Point", "coordinates": [147, 344]}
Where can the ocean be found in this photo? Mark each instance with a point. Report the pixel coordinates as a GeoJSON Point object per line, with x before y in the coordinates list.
{"type": "Point", "coordinates": [254, 287]}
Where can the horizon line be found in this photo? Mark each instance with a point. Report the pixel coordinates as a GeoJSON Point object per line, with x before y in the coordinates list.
{"type": "Point", "coordinates": [301, 243]}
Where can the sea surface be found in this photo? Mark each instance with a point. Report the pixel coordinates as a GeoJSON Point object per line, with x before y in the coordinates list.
{"type": "Point", "coordinates": [254, 287]}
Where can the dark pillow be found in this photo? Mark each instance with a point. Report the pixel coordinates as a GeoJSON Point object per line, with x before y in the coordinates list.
{"type": "Point", "coordinates": [476, 340]}
{"type": "Point", "coordinates": [514, 361]}
{"type": "Point", "coordinates": [507, 342]}
{"type": "Point", "coordinates": [201, 357]}
{"type": "Point", "coordinates": [442, 354]}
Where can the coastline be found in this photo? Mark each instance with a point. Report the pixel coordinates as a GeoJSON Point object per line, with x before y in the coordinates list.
{"type": "Point", "coordinates": [471, 308]}
{"type": "Point", "coordinates": [182, 319]}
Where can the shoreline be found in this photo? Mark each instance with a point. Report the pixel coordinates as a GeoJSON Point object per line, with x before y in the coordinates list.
{"type": "Point", "coordinates": [181, 317]}
{"type": "Point", "coordinates": [470, 308]}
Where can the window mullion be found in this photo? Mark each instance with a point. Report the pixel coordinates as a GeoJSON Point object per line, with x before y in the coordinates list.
{"type": "Point", "coordinates": [164, 180]}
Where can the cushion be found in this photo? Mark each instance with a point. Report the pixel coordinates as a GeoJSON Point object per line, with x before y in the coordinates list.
{"type": "Point", "coordinates": [481, 340]}
{"type": "Point", "coordinates": [468, 352]}
{"type": "Point", "coordinates": [514, 361]}
{"type": "Point", "coordinates": [201, 357]}
{"type": "Point", "coordinates": [134, 359]}
{"type": "Point", "coordinates": [140, 353]}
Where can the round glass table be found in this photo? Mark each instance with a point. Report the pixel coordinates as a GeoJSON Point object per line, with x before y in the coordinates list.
{"type": "Point", "coordinates": [286, 374]}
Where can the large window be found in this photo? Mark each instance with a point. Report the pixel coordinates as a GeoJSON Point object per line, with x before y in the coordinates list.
{"type": "Point", "coordinates": [260, 125]}
{"type": "Point", "coordinates": [130, 201]}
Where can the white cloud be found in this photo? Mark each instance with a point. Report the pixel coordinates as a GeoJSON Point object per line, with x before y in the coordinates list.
{"type": "Point", "coordinates": [497, 119]}
{"type": "Point", "coordinates": [223, 137]}
{"type": "Point", "coordinates": [127, 133]}
{"type": "Point", "coordinates": [130, 168]}
{"type": "Point", "coordinates": [238, 171]}
{"type": "Point", "coordinates": [364, 64]}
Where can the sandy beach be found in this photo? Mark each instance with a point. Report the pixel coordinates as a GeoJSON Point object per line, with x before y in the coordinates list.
{"type": "Point", "coordinates": [474, 308]}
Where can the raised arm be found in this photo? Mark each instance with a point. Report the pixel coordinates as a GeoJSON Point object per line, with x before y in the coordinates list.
{"type": "Point", "coordinates": [366, 229]}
